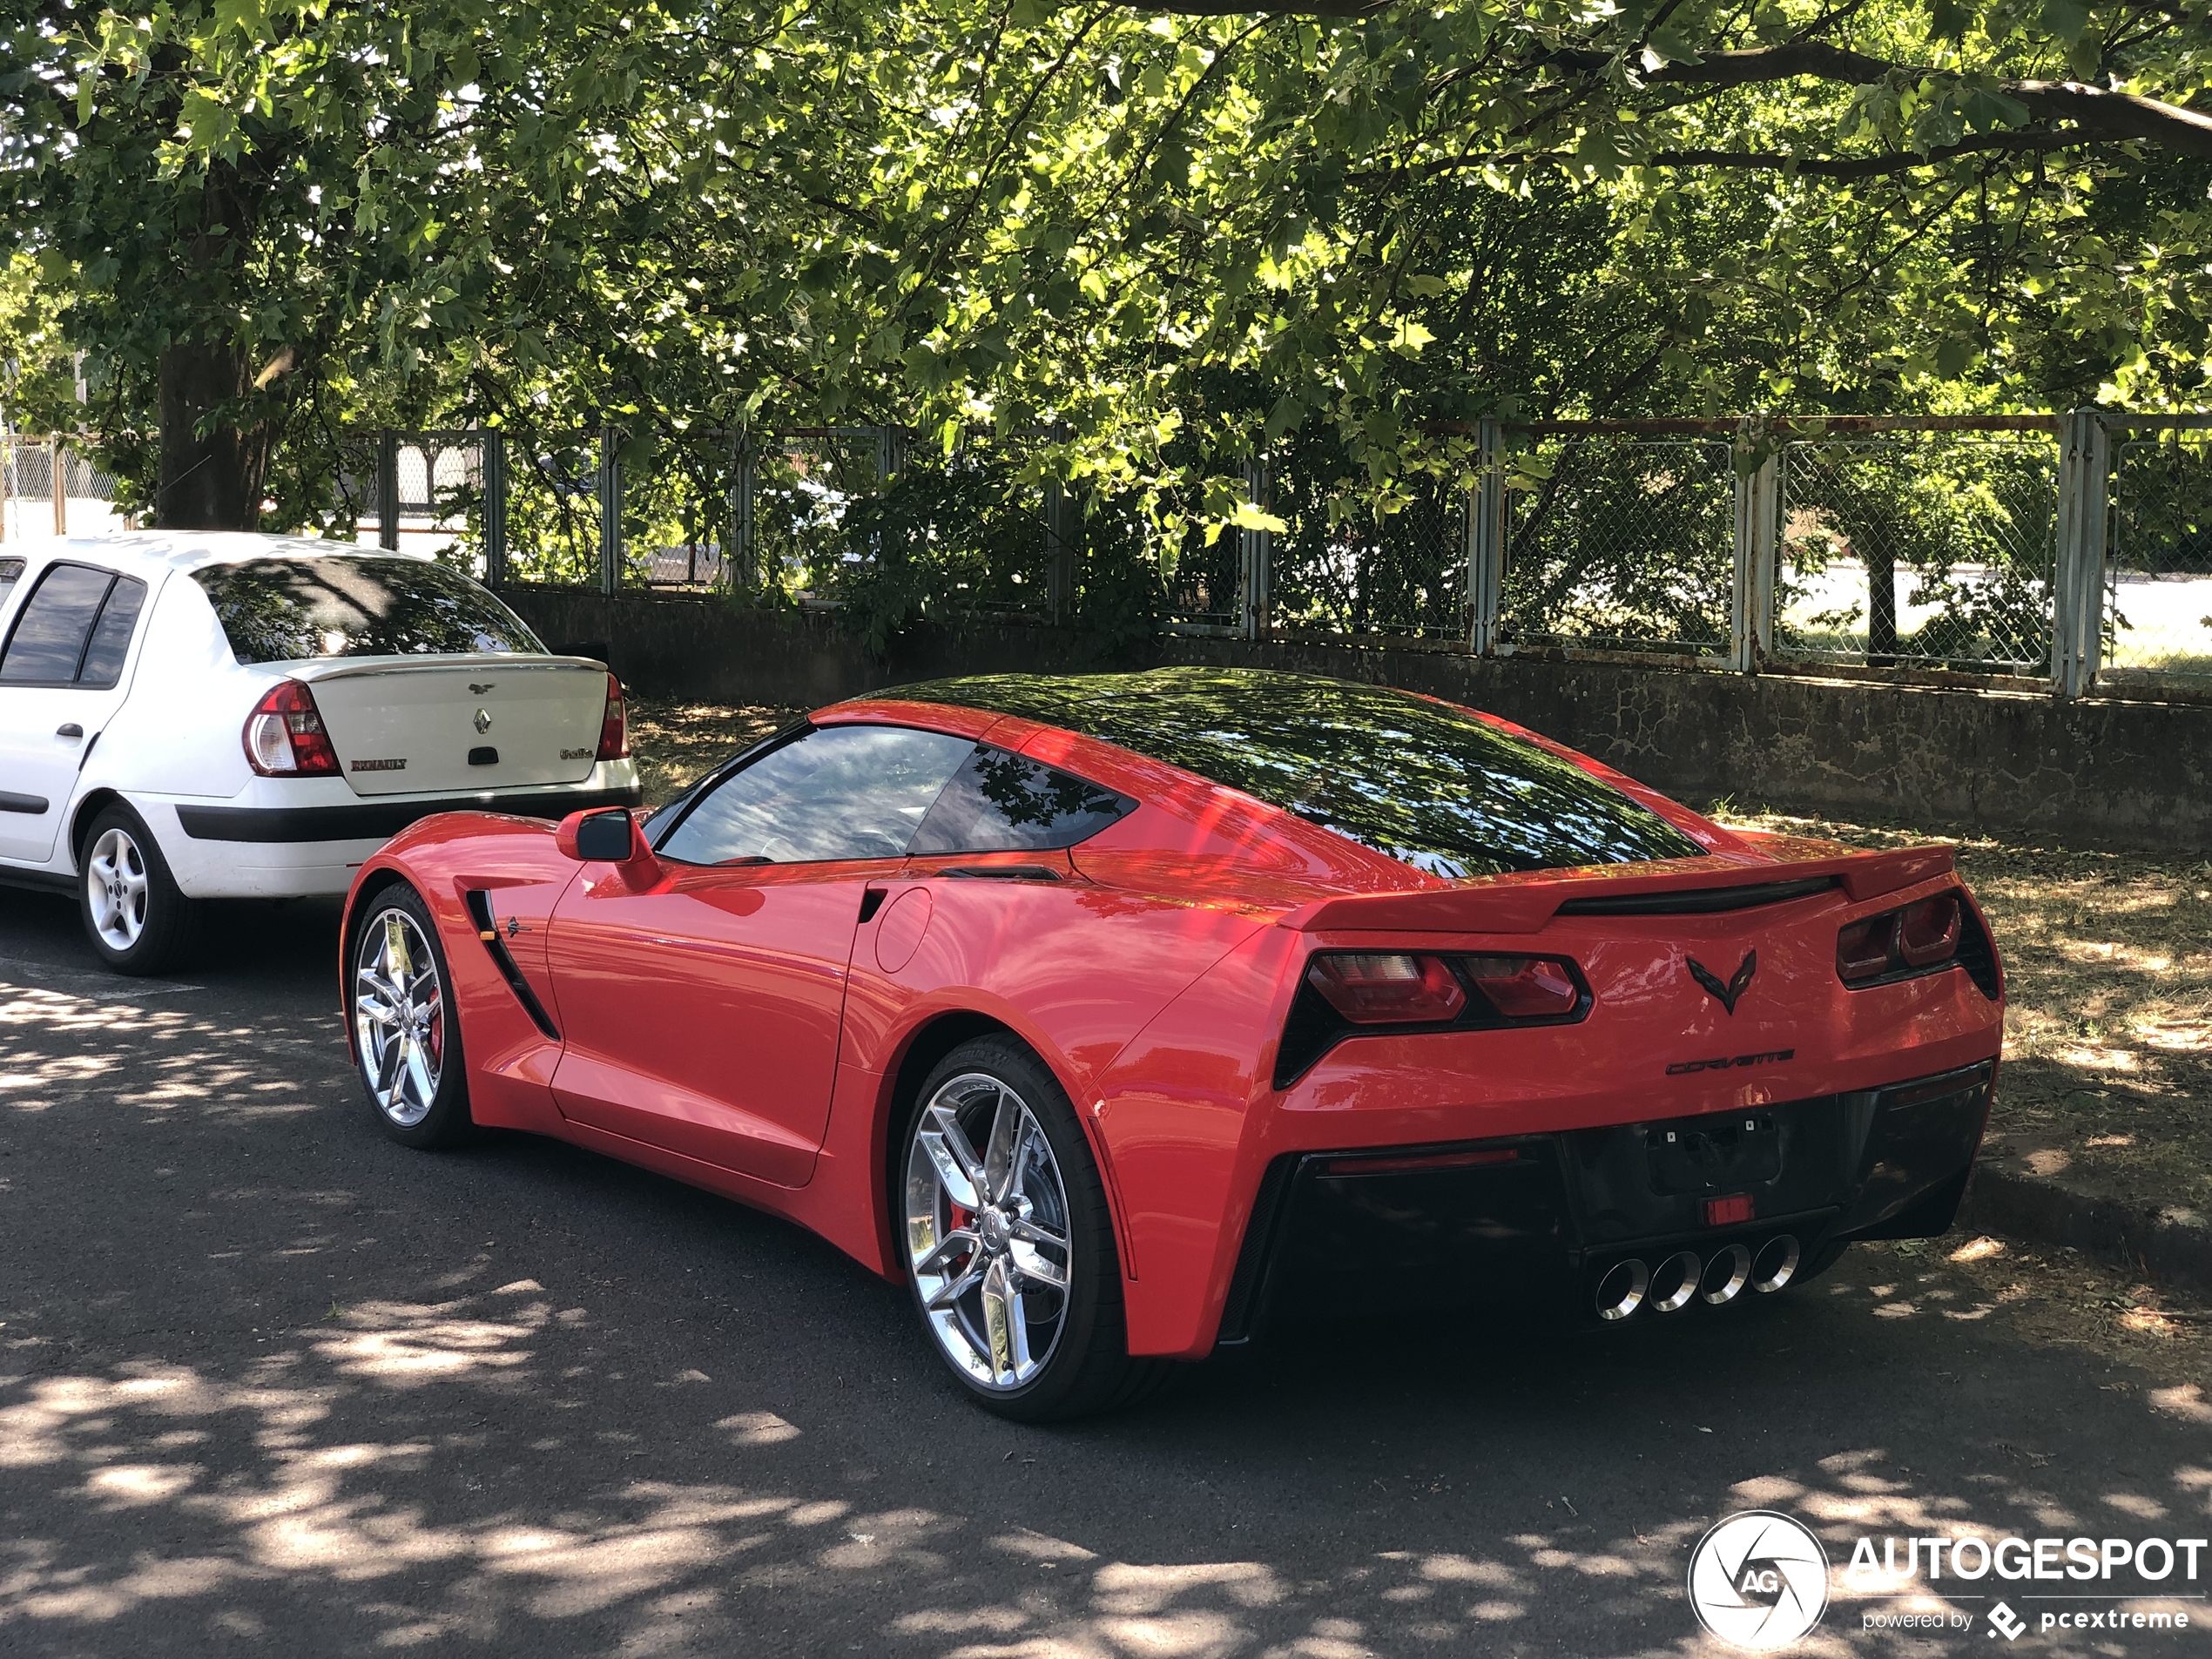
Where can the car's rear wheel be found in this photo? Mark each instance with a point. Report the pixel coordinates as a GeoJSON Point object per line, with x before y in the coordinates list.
{"type": "Point", "coordinates": [407, 1039]}
{"type": "Point", "coordinates": [137, 917]}
{"type": "Point", "coordinates": [1008, 1241]}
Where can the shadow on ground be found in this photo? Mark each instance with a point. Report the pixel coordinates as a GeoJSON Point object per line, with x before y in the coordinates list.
{"type": "Point", "coordinates": [270, 1382]}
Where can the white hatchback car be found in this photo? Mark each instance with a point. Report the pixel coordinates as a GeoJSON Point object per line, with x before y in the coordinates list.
{"type": "Point", "coordinates": [190, 716]}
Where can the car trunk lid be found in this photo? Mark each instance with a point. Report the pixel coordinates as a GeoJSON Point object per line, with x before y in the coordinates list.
{"type": "Point", "coordinates": [405, 726]}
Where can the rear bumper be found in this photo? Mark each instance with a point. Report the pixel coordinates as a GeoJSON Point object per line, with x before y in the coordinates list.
{"type": "Point", "coordinates": [1542, 1219]}
{"type": "Point", "coordinates": [380, 820]}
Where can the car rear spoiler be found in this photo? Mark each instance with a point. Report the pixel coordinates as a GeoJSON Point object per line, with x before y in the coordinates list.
{"type": "Point", "coordinates": [1525, 902]}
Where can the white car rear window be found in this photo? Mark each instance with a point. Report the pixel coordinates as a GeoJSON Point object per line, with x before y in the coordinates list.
{"type": "Point", "coordinates": [288, 610]}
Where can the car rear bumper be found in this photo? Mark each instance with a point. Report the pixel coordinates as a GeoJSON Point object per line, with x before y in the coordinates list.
{"type": "Point", "coordinates": [290, 849]}
{"type": "Point", "coordinates": [1544, 1219]}
{"type": "Point", "coordinates": [378, 820]}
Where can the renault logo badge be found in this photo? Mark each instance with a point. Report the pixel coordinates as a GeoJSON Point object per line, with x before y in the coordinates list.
{"type": "Point", "coordinates": [483, 721]}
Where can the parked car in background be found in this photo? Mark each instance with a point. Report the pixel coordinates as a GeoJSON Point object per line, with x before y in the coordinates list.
{"type": "Point", "coordinates": [194, 717]}
{"type": "Point", "coordinates": [1119, 1015]}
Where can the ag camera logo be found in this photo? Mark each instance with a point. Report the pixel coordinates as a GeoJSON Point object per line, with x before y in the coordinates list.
{"type": "Point", "coordinates": [1758, 1581]}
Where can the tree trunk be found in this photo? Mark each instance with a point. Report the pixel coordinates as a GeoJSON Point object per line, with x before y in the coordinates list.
{"type": "Point", "coordinates": [212, 481]}
{"type": "Point", "coordinates": [1881, 603]}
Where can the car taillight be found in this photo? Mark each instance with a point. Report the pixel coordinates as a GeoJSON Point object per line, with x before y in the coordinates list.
{"type": "Point", "coordinates": [614, 725]}
{"type": "Point", "coordinates": [1524, 987]}
{"type": "Point", "coordinates": [1925, 934]}
{"type": "Point", "coordinates": [283, 736]}
{"type": "Point", "coordinates": [1374, 987]}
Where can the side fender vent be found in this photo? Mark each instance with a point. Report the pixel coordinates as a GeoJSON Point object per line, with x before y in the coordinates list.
{"type": "Point", "coordinates": [479, 903]}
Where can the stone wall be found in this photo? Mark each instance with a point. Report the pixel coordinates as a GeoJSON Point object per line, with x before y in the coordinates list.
{"type": "Point", "coordinates": [2124, 774]}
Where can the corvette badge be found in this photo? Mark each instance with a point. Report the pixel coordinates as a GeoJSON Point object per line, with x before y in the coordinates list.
{"type": "Point", "coordinates": [1728, 994]}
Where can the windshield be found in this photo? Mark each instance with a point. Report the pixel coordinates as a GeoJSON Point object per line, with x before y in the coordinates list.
{"type": "Point", "coordinates": [285, 610]}
{"type": "Point", "coordinates": [1421, 781]}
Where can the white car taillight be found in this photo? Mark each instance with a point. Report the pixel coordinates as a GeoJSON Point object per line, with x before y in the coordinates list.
{"type": "Point", "coordinates": [283, 736]}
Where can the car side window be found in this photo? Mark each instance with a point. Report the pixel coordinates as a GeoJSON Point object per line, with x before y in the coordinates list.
{"type": "Point", "coordinates": [834, 792]}
{"type": "Point", "coordinates": [1001, 802]}
{"type": "Point", "coordinates": [111, 641]}
{"type": "Point", "coordinates": [11, 573]}
{"type": "Point", "coordinates": [50, 641]}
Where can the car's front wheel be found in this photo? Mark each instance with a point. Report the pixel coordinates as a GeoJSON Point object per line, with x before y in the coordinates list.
{"type": "Point", "coordinates": [407, 1039]}
{"type": "Point", "coordinates": [137, 917]}
{"type": "Point", "coordinates": [1009, 1243]}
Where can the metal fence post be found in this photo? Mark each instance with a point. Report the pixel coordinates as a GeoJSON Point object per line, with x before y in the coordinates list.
{"type": "Point", "coordinates": [61, 488]}
{"type": "Point", "coordinates": [890, 454]}
{"type": "Point", "coordinates": [1059, 586]}
{"type": "Point", "coordinates": [1486, 540]}
{"type": "Point", "coordinates": [1257, 550]}
{"type": "Point", "coordinates": [2078, 588]}
{"type": "Point", "coordinates": [1757, 513]}
{"type": "Point", "coordinates": [387, 490]}
{"type": "Point", "coordinates": [742, 572]}
{"type": "Point", "coordinates": [495, 508]}
{"type": "Point", "coordinates": [610, 510]}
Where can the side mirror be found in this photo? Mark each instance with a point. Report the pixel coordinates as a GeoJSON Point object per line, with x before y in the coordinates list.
{"type": "Point", "coordinates": [609, 836]}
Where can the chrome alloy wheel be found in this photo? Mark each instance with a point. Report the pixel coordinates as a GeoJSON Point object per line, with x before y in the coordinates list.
{"type": "Point", "coordinates": [987, 1232]}
{"type": "Point", "coordinates": [399, 1018]}
{"type": "Point", "coordinates": [115, 883]}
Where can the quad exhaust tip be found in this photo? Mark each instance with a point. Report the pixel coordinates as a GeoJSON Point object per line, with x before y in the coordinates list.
{"type": "Point", "coordinates": [1776, 1265]}
{"type": "Point", "coordinates": [1684, 1278]}
{"type": "Point", "coordinates": [1621, 1291]}
{"type": "Point", "coordinates": [1673, 1282]}
{"type": "Point", "coordinates": [1725, 1275]}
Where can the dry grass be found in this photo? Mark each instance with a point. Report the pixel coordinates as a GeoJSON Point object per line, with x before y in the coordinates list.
{"type": "Point", "coordinates": [2108, 956]}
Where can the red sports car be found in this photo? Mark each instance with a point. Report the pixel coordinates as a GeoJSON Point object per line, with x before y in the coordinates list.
{"type": "Point", "coordinates": [1116, 1014]}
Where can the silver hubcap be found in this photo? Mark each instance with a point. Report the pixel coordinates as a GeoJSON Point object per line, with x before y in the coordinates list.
{"type": "Point", "coordinates": [987, 1232]}
{"type": "Point", "coordinates": [115, 882]}
{"type": "Point", "coordinates": [399, 1018]}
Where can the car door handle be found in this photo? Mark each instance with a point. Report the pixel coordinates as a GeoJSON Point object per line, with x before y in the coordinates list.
{"type": "Point", "coordinates": [70, 730]}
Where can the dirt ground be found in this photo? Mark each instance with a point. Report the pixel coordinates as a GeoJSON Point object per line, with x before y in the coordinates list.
{"type": "Point", "coordinates": [2058, 1297]}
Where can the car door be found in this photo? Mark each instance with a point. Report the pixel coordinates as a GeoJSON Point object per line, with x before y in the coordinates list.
{"type": "Point", "coordinates": [61, 679]}
{"type": "Point", "coordinates": [700, 993]}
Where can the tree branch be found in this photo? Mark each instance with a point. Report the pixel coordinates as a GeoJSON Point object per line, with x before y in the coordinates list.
{"type": "Point", "coordinates": [1872, 166]}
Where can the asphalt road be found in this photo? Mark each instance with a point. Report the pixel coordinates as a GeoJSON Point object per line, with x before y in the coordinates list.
{"type": "Point", "coordinates": [270, 1382]}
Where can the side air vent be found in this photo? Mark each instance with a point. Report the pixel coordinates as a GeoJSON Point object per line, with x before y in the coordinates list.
{"type": "Point", "coordinates": [496, 948]}
{"type": "Point", "coordinates": [1699, 901]}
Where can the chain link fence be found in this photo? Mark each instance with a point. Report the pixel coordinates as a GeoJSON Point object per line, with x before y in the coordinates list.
{"type": "Point", "coordinates": [53, 487]}
{"type": "Point", "coordinates": [1932, 551]}
{"type": "Point", "coordinates": [1344, 565]}
{"type": "Point", "coordinates": [2158, 600]}
{"type": "Point", "coordinates": [2077, 550]}
{"type": "Point", "coordinates": [1620, 542]}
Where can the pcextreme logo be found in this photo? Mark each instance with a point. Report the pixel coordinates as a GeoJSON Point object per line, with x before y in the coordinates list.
{"type": "Point", "coordinates": [1758, 1581]}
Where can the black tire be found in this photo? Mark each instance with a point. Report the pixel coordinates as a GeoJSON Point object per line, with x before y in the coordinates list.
{"type": "Point", "coordinates": [1087, 1368]}
{"type": "Point", "coordinates": [394, 1056]}
{"type": "Point", "coordinates": [138, 919]}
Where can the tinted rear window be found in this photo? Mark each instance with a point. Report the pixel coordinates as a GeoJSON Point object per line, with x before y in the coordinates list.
{"type": "Point", "coordinates": [1421, 782]}
{"type": "Point", "coordinates": [286, 610]}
